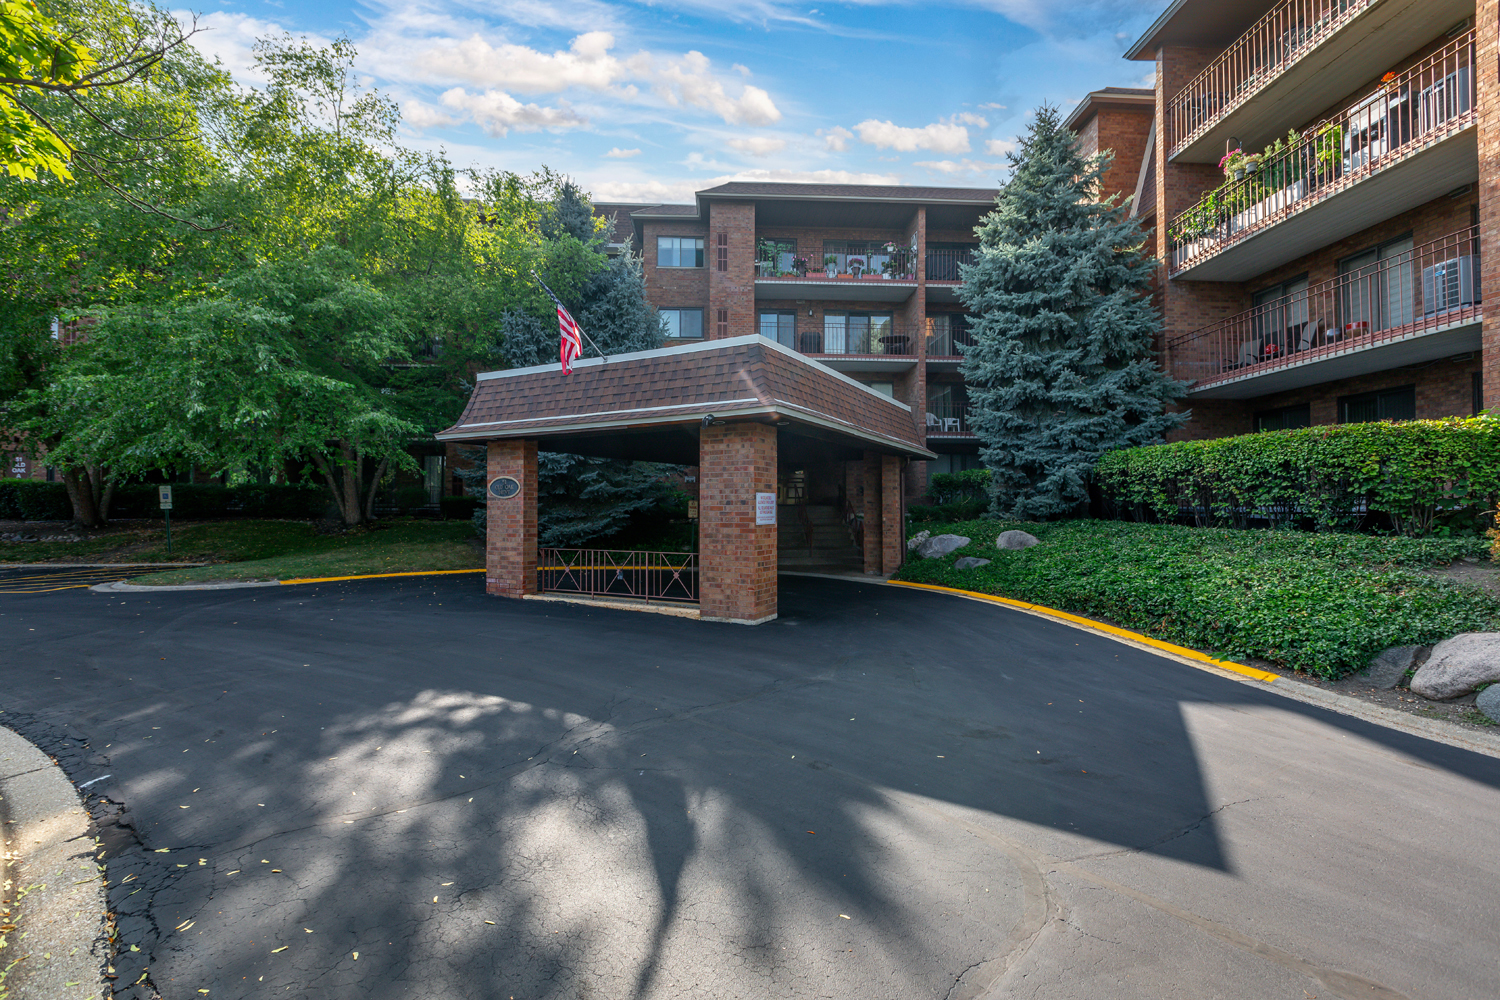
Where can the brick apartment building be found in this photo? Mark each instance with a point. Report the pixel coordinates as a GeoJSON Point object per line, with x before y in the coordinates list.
{"type": "Point", "coordinates": [1342, 277]}
{"type": "Point", "coordinates": [862, 278]}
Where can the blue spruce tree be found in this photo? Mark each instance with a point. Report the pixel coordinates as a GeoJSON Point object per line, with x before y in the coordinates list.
{"type": "Point", "coordinates": [1061, 369]}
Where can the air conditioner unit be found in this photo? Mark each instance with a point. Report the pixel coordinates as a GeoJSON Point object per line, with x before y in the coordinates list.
{"type": "Point", "coordinates": [1453, 284]}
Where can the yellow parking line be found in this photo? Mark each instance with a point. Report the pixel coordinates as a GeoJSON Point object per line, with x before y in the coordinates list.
{"type": "Point", "coordinates": [379, 576]}
{"type": "Point", "coordinates": [1041, 609]}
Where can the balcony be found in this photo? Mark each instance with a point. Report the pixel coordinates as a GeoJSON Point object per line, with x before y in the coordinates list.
{"type": "Point", "coordinates": [838, 277]}
{"type": "Point", "coordinates": [1410, 141]}
{"type": "Point", "coordinates": [855, 345]}
{"type": "Point", "coordinates": [947, 335]}
{"type": "Point", "coordinates": [1412, 307]}
{"type": "Point", "coordinates": [1291, 61]}
{"type": "Point", "coordinates": [948, 418]}
{"type": "Point", "coordinates": [943, 275]}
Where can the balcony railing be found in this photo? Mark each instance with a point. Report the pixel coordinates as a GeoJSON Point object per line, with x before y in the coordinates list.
{"type": "Point", "coordinates": [948, 418]}
{"type": "Point", "coordinates": [942, 265]}
{"type": "Point", "coordinates": [646, 576]}
{"type": "Point", "coordinates": [1283, 35]}
{"type": "Point", "coordinates": [1430, 287]}
{"type": "Point", "coordinates": [853, 338]}
{"type": "Point", "coordinates": [1430, 101]}
{"type": "Point", "coordinates": [815, 266]}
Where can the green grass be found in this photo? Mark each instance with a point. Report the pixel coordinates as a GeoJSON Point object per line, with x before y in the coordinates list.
{"type": "Point", "coordinates": [265, 550]}
{"type": "Point", "coordinates": [1325, 603]}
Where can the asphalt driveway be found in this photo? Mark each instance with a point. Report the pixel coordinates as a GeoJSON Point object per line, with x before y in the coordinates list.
{"type": "Point", "coordinates": [885, 793]}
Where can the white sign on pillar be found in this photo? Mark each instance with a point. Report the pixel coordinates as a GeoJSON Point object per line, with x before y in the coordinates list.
{"type": "Point", "coordinates": [765, 508]}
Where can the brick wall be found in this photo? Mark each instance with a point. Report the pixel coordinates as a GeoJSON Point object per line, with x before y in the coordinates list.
{"type": "Point", "coordinates": [1125, 132]}
{"type": "Point", "coordinates": [678, 287]}
{"type": "Point", "coordinates": [1487, 55]}
{"type": "Point", "coordinates": [510, 531]}
{"type": "Point", "coordinates": [732, 290]}
{"type": "Point", "coordinates": [737, 558]}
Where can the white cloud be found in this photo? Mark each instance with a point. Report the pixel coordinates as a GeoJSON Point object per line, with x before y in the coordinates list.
{"type": "Point", "coordinates": [229, 38]}
{"type": "Point", "coordinates": [498, 112]}
{"type": "Point", "coordinates": [681, 191]}
{"type": "Point", "coordinates": [939, 137]}
{"type": "Point", "coordinates": [757, 145]}
{"type": "Point", "coordinates": [969, 118]}
{"type": "Point", "coordinates": [420, 115]}
{"type": "Point", "coordinates": [999, 147]}
{"type": "Point", "coordinates": [992, 106]}
{"type": "Point", "coordinates": [621, 154]}
{"type": "Point", "coordinates": [964, 167]}
{"type": "Point", "coordinates": [690, 79]}
{"type": "Point", "coordinates": [836, 138]}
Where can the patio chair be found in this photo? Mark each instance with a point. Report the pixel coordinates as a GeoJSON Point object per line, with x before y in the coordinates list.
{"type": "Point", "coordinates": [952, 425]}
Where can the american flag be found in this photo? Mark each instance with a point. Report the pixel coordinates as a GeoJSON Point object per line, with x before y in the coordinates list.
{"type": "Point", "coordinates": [571, 348]}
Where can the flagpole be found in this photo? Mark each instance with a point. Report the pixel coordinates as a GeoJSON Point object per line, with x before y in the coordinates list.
{"type": "Point", "coordinates": [558, 302]}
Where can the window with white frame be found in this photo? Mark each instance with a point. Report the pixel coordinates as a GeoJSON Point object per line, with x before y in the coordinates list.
{"type": "Point", "coordinates": [679, 251]}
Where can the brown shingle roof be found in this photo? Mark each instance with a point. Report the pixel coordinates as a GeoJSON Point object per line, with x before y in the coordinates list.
{"type": "Point", "coordinates": [860, 192]}
{"type": "Point", "coordinates": [748, 377]}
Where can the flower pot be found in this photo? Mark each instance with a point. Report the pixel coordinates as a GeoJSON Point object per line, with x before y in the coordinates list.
{"type": "Point", "coordinates": [831, 271]}
{"type": "Point", "coordinates": [885, 277]}
{"type": "Point", "coordinates": [1239, 173]}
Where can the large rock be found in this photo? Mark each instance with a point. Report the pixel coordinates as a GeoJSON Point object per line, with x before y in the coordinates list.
{"type": "Point", "coordinates": [1459, 665]}
{"type": "Point", "coordinates": [1390, 667]}
{"type": "Point", "coordinates": [940, 545]}
{"type": "Point", "coordinates": [1488, 702]}
{"type": "Point", "coordinates": [970, 562]}
{"type": "Point", "coordinates": [1016, 540]}
{"type": "Point", "coordinates": [917, 539]}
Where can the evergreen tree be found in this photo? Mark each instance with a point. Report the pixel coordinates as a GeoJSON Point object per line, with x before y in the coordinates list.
{"type": "Point", "coordinates": [1061, 367]}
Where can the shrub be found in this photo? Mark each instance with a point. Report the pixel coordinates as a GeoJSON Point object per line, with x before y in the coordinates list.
{"type": "Point", "coordinates": [1425, 475]}
{"type": "Point", "coordinates": [1325, 603]}
{"type": "Point", "coordinates": [34, 500]}
{"type": "Point", "coordinates": [971, 484]}
{"type": "Point", "coordinates": [459, 508]}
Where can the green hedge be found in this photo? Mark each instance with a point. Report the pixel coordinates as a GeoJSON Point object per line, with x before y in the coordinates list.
{"type": "Point", "coordinates": [1422, 474]}
{"type": "Point", "coordinates": [34, 500]}
{"type": "Point", "coordinates": [1324, 603]}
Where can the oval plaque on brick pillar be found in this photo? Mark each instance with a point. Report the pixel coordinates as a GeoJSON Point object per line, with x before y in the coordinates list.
{"type": "Point", "coordinates": [504, 487]}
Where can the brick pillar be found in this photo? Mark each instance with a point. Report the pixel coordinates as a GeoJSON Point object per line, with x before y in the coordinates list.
{"type": "Point", "coordinates": [732, 290]}
{"type": "Point", "coordinates": [892, 515]}
{"type": "Point", "coordinates": [510, 532]}
{"type": "Point", "coordinates": [736, 557]}
{"type": "Point", "coordinates": [1486, 56]}
{"type": "Point", "coordinates": [871, 474]}
{"type": "Point", "coordinates": [911, 388]}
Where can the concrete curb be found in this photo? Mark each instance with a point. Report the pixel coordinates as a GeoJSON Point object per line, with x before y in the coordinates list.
{"type": "Point", "coordinates": [101, 565]}
{"type": "Point", "coordinates": [58, 948]}
{"type": "Point", "coordinates": [139, 588]}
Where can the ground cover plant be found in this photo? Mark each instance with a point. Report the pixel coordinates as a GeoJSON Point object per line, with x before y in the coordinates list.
{"type": "Point", "coordinates": [1321, 602]}
{"type": "Point", "coordinates": [265, 550]}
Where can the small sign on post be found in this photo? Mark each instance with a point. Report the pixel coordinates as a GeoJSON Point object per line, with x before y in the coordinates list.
{"type": "Point", "coordinates": [765, 508]}
{"type": "Point", "coordinates": [164, 500]}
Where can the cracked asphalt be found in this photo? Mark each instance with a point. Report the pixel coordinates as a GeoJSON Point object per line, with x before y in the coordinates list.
{"type": "Point", "coordinates": [404, 788]}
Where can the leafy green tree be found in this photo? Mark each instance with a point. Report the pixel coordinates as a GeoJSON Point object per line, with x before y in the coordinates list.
{"type": "Point", "coordinates": [1062, 367]}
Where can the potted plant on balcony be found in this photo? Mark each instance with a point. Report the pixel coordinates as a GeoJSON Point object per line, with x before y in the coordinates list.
{"type": "Point", "coordinates": [831, 265]}
{"type": "Point", "coordinates": [800, 264]}
{"type": "Point", "coordinates": [856, 266]}
{"type": "Point", "coordinates": [892, 267]}
{"type": "Point", "coordinates": [1233, 164]}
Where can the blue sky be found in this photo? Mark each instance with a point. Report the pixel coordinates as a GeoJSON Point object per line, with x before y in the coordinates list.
{"type": "Point", "coordinates": [649, 101]}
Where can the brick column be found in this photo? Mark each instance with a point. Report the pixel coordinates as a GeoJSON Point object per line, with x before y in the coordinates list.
{"type": "Point", "coordinates": [892, 526]}
{"type": "Point", "coordinates": [1486, 56]}
{"type": "Point", "coordinates": [510, 532]}
{"type": "Point", "coordinates": [872, 473]}
{"type": "Point", "coordinates": [732, 290]}
{"type": "Point", "coordinates": [736, 557]}
{"type": "Point", "coordinates": [911, 388]}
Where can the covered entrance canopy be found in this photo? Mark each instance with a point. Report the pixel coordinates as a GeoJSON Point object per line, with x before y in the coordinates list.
{"type": "Point", "coordinates": [736, 409]}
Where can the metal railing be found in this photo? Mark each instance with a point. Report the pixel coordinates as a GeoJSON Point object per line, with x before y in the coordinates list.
{"type": "Point", "coordinates": [645, 576]}
{"type": "Point", "coordinates": [942, 265]}
{"type": "Point", "coordinates": [1430, 287]}
{"type": "Point", "coordinates": [853, 337]}
{"type": "Point", "coordinates": [1430, 101]}
{"type": "Point", "coordinates": [1283, 35]}
{"type": "Point", "coordinates": [948, 418]}
{"type": "Point", "coordinates": [814, 265]}
{"type": "Point", "coordinates": [945, 340]}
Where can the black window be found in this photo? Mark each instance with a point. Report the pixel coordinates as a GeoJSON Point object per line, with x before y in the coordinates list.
{"type": "Point", "coordinates": [685, 324]}
{"type": "Point", "coordinates": [1478, 393]}
{"type": "Point", "coordinates": [1284, 418]}
{"type": "Point", "coordinates": [1386, 404]}
{"type": "Point", "coordinates": [780, 327]}
{"type": "Point", "coordinates": [679, 251]}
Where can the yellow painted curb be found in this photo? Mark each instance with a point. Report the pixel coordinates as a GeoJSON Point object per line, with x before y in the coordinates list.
{"type": "Point", "coordinates": [1192, 654]}
{"type": "Point", "coordinates": [379, 576]}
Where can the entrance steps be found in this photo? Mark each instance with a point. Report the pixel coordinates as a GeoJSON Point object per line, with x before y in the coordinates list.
{"type": "Point", "coordinates": [822, 543]}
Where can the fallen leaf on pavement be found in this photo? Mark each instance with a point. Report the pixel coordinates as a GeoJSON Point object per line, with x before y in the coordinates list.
{"type": "Point", "coordinates": [284, 947]}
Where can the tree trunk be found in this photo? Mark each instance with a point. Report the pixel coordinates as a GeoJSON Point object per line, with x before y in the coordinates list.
{"type": "Point", "coordinates": [89, 494]}
{"type": "Point", "coordinates": [374, 488]}
{"type": "Point", "coordinates": [346, 481]}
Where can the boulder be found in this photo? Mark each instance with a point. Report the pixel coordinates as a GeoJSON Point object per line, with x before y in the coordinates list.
{"type": "Point", "coordinates": [970, 562]}
{"type": "Point", "coordinates": [1488, 702]}
{"type": "Point", "coordinates": [940, 545]}
{"type": "Point", "coordinates": [1459, 665]}
{"type": "Point", "coordinates": [1390, 667]}
{"type": "Point", "coordinates": [917, 539]}
{"type": "Point", "coordinates": [1016, 540]}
